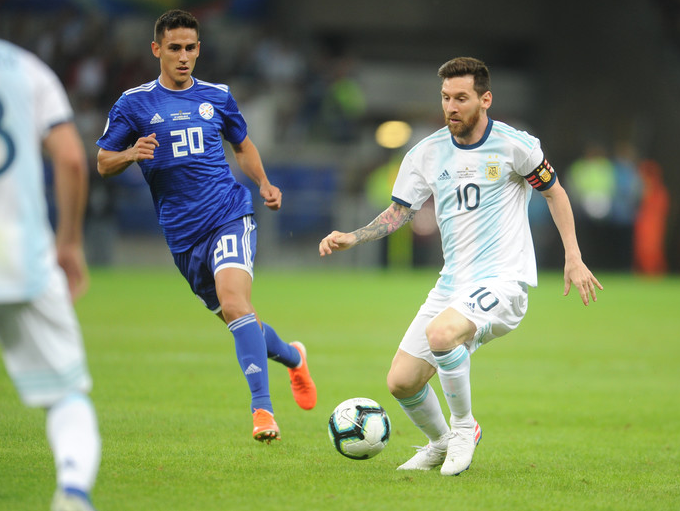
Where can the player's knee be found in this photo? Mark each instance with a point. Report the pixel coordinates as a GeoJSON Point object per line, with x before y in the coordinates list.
{"type": "Point", "coordinates": [234, 308]}
{"type": "Point", "coordinates": [401, 386]}
{"type": "Point", "coordinates": [443, 336]}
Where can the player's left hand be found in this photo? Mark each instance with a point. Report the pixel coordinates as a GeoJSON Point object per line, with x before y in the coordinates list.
{"type": "Point", "coordinates": [578, 273]}
{"type": "Point", "coordinates": [271, 195]}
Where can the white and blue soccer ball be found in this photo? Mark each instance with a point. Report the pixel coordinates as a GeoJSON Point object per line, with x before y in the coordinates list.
{"type": "Point", "coordinates": [359, 428]}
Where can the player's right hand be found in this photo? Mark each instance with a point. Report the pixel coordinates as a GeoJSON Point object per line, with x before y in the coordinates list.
{"type": "Point", "coordinates": [144, 148]}
{"type": "Point", "coordinates": [336, 241]}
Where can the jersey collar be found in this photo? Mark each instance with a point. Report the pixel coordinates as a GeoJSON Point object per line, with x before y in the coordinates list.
{"type": "Point", "coordinates": [193, 82]}
{"type": "Point", "coordinates": [476, 144]}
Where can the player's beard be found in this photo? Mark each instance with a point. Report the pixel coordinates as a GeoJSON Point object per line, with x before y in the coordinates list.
{"type": "Point", "coordinates": [464, 128]}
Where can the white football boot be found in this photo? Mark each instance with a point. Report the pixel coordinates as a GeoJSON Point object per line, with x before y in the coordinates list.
{"type": "Point", "coordinates": [461, 447]}
{"type": "Point", "coordinates": [427, 457]}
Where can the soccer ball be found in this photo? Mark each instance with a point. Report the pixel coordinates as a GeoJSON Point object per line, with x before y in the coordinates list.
{"type": "Point", "coordinates": [359, 428]}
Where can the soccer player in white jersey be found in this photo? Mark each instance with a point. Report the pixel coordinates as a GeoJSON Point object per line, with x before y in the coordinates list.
{"type": "Point", "coordinates": [481, 173]}
{"type": "Point", "coordinates": [173, 128]}
{"type": "Point", "coordinates": [40, 274]}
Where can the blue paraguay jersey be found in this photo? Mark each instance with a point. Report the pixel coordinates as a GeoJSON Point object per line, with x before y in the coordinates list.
{"type": "Point", "coordinates": [192, 186]}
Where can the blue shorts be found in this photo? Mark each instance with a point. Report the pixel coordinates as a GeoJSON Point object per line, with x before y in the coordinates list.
{"type": "Point", "coordinates": [232, 245]}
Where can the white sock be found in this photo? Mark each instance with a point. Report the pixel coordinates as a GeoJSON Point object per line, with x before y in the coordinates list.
{"type": "Point", "coordinates": [73, 434]}
{"type": "Point", "coordinates": [454, 374]}
{"type": "Point", "coordinates": [425, 412]}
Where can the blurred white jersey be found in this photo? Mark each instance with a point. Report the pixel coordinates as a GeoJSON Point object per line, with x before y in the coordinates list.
{"type": "Point", "coordinates": [481, 194]}
{"type": "Point", "coordinates": [32, 100]}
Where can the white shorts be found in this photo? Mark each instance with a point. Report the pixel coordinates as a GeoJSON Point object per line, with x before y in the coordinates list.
{"type": "Point", "coordinates": [42, 345]}
{"type": "Point", "coordinates": [495, 307]}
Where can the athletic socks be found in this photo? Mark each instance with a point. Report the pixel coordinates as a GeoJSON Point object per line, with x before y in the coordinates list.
{"type": "Point", "coordinates": [454, 374]}
{"type": "Point", "coordinates": [73, 435]}
{"type": "Point", "coordinates": [425, 412]}
{"type": "Point", "coordinates": [251, 352]}
{"type": "Point", "coordinates": [279, 350]}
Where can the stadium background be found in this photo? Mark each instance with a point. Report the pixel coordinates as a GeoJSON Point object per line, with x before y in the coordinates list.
{"type": "Point", "coordinates": [315, 80]}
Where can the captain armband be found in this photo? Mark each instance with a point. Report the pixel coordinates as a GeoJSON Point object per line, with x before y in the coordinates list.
{"type": "Point", "coordinates": [542, 177]}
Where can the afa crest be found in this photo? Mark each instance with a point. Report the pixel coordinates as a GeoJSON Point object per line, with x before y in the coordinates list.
{"type": "Point", "coordinates": [493, 171]}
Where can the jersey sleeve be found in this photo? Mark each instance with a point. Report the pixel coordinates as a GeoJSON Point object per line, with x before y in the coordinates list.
{"type": "Point", "coordinates": [234, 128]}
{"type": "Point", "coordinates": [410, 188]}
{"type": "Point", "coordinates": [119, 133]}
{"type": "Point", "coordinates": [52, 104]}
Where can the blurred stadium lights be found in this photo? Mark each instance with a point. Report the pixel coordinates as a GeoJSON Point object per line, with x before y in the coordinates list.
{"type": "Point", "coordinates": [393, 134]}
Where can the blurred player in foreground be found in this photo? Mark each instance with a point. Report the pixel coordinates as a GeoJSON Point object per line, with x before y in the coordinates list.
{"type": "Point", "coordinates": [173, 127]}
{"type": "Point", "coordinates": [481, 173]}
{"type": "Point", "coordinates": [40, 335]}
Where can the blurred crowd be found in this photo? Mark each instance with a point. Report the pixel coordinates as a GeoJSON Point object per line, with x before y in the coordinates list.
{"type": "Point", "coordinates": [308, 87]}
{"type": "Point", "coordinates": [621, 207]}
{"type": "Point", "coordinates": [298, 90]}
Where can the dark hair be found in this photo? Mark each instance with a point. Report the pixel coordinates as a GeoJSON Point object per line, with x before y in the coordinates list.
{"type": "Point", "coordinates": [175, 18]}
{"type": "Point", "coordinates": [463, 66]}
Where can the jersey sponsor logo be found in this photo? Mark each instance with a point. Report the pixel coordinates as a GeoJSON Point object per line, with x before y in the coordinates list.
{"type": "Point", "coordinates": [444, 176]}
{"type": "Point", "coordinates": [206, 111]}
{"type": "Point", "coordinates": [466, 173]}
{"type": "Point", "coordinates": [156, 119]}
{"type": "Point", "coordinates": [493, 171]}
{"type": "Point", "coordinates": [181, 116]}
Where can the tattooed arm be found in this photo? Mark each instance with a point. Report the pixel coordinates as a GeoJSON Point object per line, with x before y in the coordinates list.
{"type": "Point", "coordinates": [385, 223]}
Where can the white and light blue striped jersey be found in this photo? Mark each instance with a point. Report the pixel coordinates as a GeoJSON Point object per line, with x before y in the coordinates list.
{"type": "Point", "coordinates": [481, 194]}
{"type": "Point", "coordinates": [191, 183]}
{"type": "Point", "coordinates": [32, 101]}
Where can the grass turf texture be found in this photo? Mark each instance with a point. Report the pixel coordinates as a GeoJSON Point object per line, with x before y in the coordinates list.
{"type": "Point", "coordinates": [579, 406]}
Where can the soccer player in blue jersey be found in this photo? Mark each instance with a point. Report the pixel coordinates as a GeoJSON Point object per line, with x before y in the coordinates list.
{"type": "Point", "coordinates": [173, 128]}
{"type": "Point", "coordinates": [481, 173]}
{"type": "Point", "coordinates": [42, 274]}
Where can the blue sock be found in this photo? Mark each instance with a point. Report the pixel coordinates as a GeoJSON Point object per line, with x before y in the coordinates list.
{"type": "Point", "coordinates": [251, 353]}
{"type": "Point", "coordinates": [279, 350]}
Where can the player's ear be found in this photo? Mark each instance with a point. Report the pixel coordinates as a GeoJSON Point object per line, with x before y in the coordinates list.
{"type": "Point", "coordinates": [155, 49]}
{"type": "Point", "coordinates": [198, 48]}
{"type": "Point", "coordinates": [486, 98]}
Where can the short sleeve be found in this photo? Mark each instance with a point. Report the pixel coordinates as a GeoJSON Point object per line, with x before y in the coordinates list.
{"type": "Point", "coordinates": [52, 104]}
{"type": "Point", "coordinates": [119, 134]}
{"type": "Point", "coordinates": [410, 188]}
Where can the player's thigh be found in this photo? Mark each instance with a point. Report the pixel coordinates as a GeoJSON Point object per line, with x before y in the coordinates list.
{"type": "Point", "coordinates": [42, 346]}
{"type": "Point", "coordinates": [415, 341]}
{"type": "Point", "coordinates": [234, 288]}
{"type": "Point", "coordinates": [414, 364]}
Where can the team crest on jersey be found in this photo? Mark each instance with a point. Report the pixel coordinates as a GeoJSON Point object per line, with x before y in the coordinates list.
{"type": "Point", "coordinates": [493, 171]}
{"type": "Point", "coordinates": [206, 110]}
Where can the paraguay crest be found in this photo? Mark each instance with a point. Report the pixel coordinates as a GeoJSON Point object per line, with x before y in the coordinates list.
{"type": "Point", "coordinates": [493, 170]}
{"type": "Point", "coordinates": [206, 110]}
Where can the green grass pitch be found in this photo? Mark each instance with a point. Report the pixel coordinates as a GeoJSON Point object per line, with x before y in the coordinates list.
{"type": "Point", "coordinates": [579, 406]}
